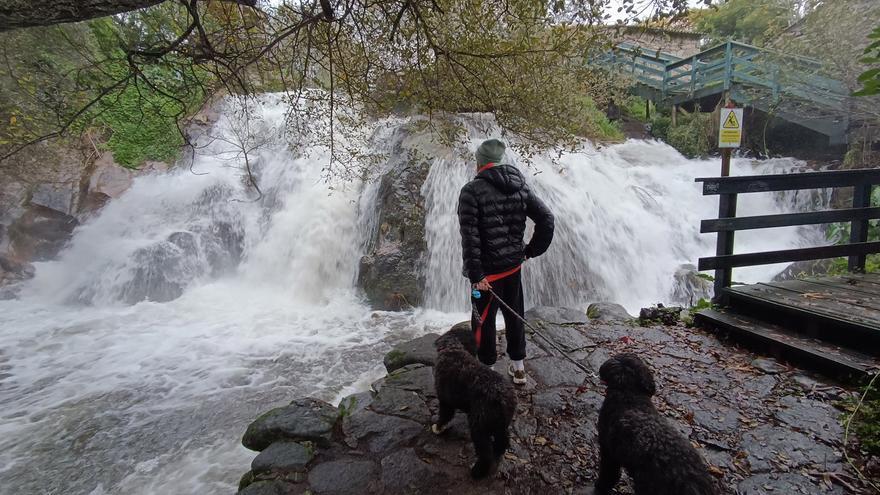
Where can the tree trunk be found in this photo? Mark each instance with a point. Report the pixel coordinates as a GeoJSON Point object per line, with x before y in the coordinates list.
{"type": "Point", "coordinates": [27, 13]}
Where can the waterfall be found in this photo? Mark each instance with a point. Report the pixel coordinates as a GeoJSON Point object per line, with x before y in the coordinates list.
{"type": "Point", "coordinates": [627, 218]}
{"type": "Point", "coordinates": [191, 304]}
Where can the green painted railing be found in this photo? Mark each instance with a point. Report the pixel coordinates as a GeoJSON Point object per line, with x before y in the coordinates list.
{"type": "Point", "coordinates": [753, 76]}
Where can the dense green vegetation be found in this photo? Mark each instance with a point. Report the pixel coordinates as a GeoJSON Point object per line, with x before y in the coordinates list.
{"type": "Point", "coordinates": [748, 21]}
{"type": "Point", "coordinates": [866, 421]}
{"type": "Point", "coordinates": [58, 73]}
{"type": "Point", "coordinates": [870, 79]}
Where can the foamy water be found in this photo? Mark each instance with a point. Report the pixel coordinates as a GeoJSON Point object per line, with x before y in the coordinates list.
{"type": "Point", "coordinates": [105, 397]}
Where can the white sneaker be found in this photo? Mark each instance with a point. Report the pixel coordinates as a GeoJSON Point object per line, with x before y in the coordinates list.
{"type": "Point", "coordinates": [519, 376]}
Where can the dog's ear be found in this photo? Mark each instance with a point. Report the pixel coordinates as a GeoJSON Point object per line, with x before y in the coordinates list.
{"type": "Point", "coordinates": [645, 379]}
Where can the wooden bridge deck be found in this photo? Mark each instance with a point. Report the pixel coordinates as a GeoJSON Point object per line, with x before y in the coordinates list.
{"type": "Point", "coordinates": [828, 323]}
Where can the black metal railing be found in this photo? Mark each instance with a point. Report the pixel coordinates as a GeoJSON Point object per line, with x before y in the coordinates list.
{"type": "Point", "coordinates": [727, 223]}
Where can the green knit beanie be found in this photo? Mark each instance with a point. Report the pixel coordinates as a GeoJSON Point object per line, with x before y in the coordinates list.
{"type": "Point", "coordinates": [491, 151]}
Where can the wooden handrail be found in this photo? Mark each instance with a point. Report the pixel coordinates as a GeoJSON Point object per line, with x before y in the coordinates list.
{"type": "Point", "coordinates": [727, 223]}
{"type": "Point", "coordinates": [788, 182]}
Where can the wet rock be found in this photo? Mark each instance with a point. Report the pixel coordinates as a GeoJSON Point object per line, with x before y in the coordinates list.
{"type": "Point", "coordinates": [378, 432]}
{"type": "Point", "coordinates": [525, 426]}
{"type": "Point", "coordinates": [355, 403]}
{"type": "Point", "coordinates": [557, 316]}
{"type": "Point", "coordinates": [768, 447]}
{"type": "Point", "coordinates": [607, 311]}
{"type": "Point", "coordinates": [404, 472]}
{"type": "Point", "coordinates": [14, 271]}
{"type": "Point", "coordinates": [415, 378]}
{"type": "Point", "coordinates": [816, 417]}
{"type": "Point", "coordinates": [272, 487]}
{"type": "Point", "coordinates": [403, 403]}
{"type": "Point", "coordinates": [568, 338]}
{"type": "Point", "coordinates": [598, 358]}
{"type": "Point", "coordinates": [391, 274]}
{"type": "Point", "coordinates": [759, 386]}
{"type": "Point", "coordinates": [283, 456]}
{"type": "Point", "coordinates": [418, 351]}
{"type": "Point", "coordinates": [303, 420]}
{"type": "Point", "coordinates": [556, 372]}
{"type": "Point", "coordinates": [716, 418]}
{"type": "Point", "coordinates": [769, 366]}
{"type": "Point", "coordinates": [547, 402]}
{"type": "Point", "coordinates": [343, 477]}
{"type": "Point", "coordinates": [689, 287]}
{"type": "Point", "coordinates": [40, 233]}
{"type": "Point", "coordinates": [660, 315]}
{"type": "Point", "coordinates": [783, 483]}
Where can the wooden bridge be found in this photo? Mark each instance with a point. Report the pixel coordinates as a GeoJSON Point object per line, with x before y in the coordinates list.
{"type": "Point", "coordinates": [789, 87]}
{"type": "Point", "coordinates": [831, 324]}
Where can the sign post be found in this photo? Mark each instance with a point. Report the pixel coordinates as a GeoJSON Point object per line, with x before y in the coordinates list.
{"type": "Point", "coordinates": [730, 131]}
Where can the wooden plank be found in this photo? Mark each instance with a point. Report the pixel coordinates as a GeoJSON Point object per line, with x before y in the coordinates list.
{"type": "Point", "coordinates": [853, 285]}
{"type": "Point", "coordinates": [787, 255]}
{"type": "Point", "coordinates": [822, 355]}
{"type": "Point", "coordinates": [788, 219]}
{"type": "Point", "coordinates": [841, 312]}
{"type": "Point", "coordinates": [809, 288]}
{"type": "Point", "coordinates": [788, 182]}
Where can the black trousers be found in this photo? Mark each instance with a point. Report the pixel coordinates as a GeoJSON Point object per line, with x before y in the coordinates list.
{"type": "Point", "coordinates": [509, 289]}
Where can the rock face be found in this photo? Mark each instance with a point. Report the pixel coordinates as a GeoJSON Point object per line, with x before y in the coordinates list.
{"type": "Point", "coordinates": [391, 272]}
{"type": "Point", "coordinates": [755, 435]}
{"type": "Point", "coordinates": [40, 233]}
{"type": "Point", "coordinates": [47, 189]}
{"type": "Point", "coordinates": [12, 272]}
{"type": "Point", "coordinates": [689, 287]}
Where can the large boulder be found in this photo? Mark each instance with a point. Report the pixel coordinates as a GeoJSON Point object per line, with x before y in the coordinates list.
{"type": "Point", "coordinates": [391, 272]}
{"type": "Point", "coordinates": [303, 420]}
{"type": "Point", "coordinates": [689, 286]}
{"type": "Point", "coordinates": [607, 311]}
{"type": "Point", "coordinates": [418, 351]}
{"type": "Point", "coordinates": [40, 233]}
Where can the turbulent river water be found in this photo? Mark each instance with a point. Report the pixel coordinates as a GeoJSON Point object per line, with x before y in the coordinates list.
{"type": "Point", "coordinates": [101, 396]}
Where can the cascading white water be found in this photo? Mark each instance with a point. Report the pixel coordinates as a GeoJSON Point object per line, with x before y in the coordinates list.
{"type": "Point", "coordinates": [260, 306]}
{"type": "Point", "coordinates": [627, 217]}
{"type": "Point", "coordinates": [260, 309]}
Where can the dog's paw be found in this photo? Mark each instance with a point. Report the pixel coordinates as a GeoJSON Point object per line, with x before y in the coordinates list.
{"type": "Point", "coordinates": [437, 429]}
{"type": "Point", "coordinates": [481, 470]}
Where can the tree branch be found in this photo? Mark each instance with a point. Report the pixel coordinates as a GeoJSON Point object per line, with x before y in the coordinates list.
{"type": "Point", "coordinates": [16, 14]}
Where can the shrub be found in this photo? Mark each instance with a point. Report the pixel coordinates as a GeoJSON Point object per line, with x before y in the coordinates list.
{"type": "Point", "coordinates": [660, 126]}
{"type": "Point", "coordinates": [692, 136]}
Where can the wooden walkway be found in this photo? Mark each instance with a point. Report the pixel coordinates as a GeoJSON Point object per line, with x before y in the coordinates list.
{"type": "Point", "coordinates": [828, 323]}
{"type": "Point", "coordinates": [793, 88]}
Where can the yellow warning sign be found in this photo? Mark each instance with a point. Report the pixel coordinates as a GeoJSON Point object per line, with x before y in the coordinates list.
{"type": "Point", "coordinates": [730, 129]}
{"type": "Point", "coordinates": [731, 122]}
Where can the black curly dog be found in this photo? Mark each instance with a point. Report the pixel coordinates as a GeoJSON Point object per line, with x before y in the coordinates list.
{"type": "Point", "coordinates": [632, 435]}
{"type": "Point", "coordinates": [463, 383]}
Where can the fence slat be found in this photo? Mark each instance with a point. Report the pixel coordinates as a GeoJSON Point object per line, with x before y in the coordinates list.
{"type": "Point", "coordinates": [788, 255]}
{"type": "Point", "coordinates": [788, 219]}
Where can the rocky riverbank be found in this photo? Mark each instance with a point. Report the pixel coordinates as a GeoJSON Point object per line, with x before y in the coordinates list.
{"type": "Point", "coordinates": [764, 428]}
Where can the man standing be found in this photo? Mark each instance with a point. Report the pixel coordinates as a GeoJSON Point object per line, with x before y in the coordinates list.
{"type": "Point", "coordinates": [492, 211]}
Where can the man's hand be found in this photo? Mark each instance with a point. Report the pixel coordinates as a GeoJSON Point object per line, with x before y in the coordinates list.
{"type": "Point", "coordinates": [482, 285]}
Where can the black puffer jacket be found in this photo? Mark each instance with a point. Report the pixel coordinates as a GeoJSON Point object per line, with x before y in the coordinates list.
{"type": "Point", "coordinates": [492, 211]}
